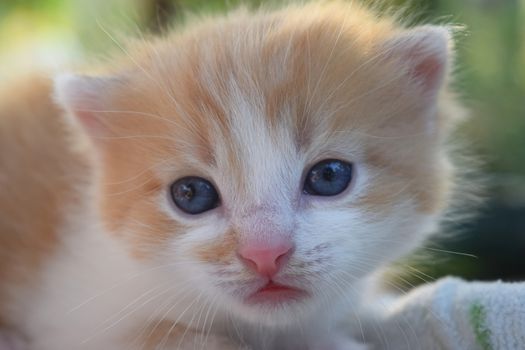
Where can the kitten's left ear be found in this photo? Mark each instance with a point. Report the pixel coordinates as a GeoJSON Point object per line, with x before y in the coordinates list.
{"type": "Point", "coordinates": [85, 98]}
{"type": "Point", "coordinates": [423, 53]}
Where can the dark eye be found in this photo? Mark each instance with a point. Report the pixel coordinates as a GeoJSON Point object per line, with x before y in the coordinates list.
{"type": "Point", "coordinates": [328, 178]}
{"type": "Point", "coordinates": [194, 195]}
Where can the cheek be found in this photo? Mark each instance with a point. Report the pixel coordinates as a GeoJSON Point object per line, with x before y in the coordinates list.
{"type": "Point", "coordinates": [362, 238]}
{"type": "Point", "coordinates": [334, 226]}
{"type": "Point", "coordinates": [217, 251]}
{"type": "Point", "coordinates": [326, 239]}
{"type": "Point", "coordinates": [146, 229]}
{"type": "Point", "coordinates": [205, 259]}
{"type": "Point", "coordinates": [210, 244]}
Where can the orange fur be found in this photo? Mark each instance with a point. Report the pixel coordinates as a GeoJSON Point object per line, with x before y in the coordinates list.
{"type": "Point", "coordinates": [40, 165]}
{"type": "Point", "coordinates": [219, 252]}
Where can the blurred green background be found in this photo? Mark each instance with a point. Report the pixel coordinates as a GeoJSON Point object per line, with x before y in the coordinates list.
{"type": "Point", "coordinates": [491, 77]}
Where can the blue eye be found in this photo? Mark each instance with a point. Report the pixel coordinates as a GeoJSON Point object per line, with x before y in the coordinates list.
{"type": "Point", "coordinates": [328, 178]}
{"type": "Point", "coordinates": [194, 195]}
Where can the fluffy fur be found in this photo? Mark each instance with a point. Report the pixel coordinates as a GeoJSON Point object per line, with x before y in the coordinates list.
{"type": "Point", "coordinates": [95, 256]}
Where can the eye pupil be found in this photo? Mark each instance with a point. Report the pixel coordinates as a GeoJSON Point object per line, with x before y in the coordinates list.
{"type": "Point", "coordinates": [328, 178]}
{"type": "Point", "coordinates": [328, 174]}
{"type": "Point", "coordinates": [194, 195]}
{"type": "Point", "coordinates": [186, 191]}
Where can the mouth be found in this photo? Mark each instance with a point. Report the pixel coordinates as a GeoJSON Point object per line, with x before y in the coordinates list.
{"type": "Point", "coordinates": [273, 293]}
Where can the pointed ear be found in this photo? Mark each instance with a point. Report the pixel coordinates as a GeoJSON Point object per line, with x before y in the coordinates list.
{"type": "Point", "coordinates": [85, 98]}
{"type": "Point", "coordinates": [423, 53]}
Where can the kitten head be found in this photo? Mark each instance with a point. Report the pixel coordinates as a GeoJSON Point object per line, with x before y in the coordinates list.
{"type": "Point", "coordinates": [270, 161]}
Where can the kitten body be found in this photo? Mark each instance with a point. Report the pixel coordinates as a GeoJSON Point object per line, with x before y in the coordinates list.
{"type": "Point", "coordinates": [96, 254]}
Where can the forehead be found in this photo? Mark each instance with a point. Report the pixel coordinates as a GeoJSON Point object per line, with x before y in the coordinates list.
{"type": "Point", "coordinates": [264, 84]}
{"type": "Point", "coordinates": [260, 99]}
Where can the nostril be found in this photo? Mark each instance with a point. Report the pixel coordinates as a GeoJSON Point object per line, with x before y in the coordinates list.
{"type": "Point", "coordinates": [283, 258]}
{"type": "Point", "coordinates": [251, 264]}
{"type": "Point", "coordinates": [265, 259]}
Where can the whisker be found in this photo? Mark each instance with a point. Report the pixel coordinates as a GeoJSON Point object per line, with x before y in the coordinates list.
{"type": "Point", "coordinates": [115, 323]}
{"type": "Point", "coordinates": [206, 333]}
{"type": "Point", "coordinates": [430, 278]}
{"type": "Point", "coordinates": [401, 329]}
{"type": "Point", "coordinates": [186, 292]}
{"type": "Point", "coordinates": [451, 252]}
{"type": "Point", "coordinates": [339, 34]}
{"type": "Point", "coordinates": [165, 339]}
{"type": "Point", "coordinates": [145, 114]}
{"type": "Point", "coordinates": [119, 284]}
{"type": "Point", "coordinates": [149, 321]}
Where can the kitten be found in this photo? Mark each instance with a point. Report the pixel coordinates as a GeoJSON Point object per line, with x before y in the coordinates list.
{"type": "Point", "coordinates": [231, 185]}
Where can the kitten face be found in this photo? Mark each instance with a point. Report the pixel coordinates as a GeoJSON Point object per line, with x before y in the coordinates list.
{"type": "Point", "coordinates": [251, 104]}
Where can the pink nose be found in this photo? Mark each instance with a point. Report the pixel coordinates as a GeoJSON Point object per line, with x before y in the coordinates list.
{"type": "Point", "coordinates": [266, 259]}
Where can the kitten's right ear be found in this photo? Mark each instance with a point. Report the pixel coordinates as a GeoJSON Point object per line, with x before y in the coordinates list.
{"type": "Point", "coordinates": [423, 53]}
{"type": "Point", "coordinates": [85, 98]}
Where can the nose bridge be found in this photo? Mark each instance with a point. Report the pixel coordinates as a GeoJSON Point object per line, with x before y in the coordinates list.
{"type": "Point", "coordinates": [265, 224]}
{"type": "Point", "coordinates": [269, 170]}
{"type": "Point", "coordinates": [265, 238]}
{"type": "Point", "coordinates": [263, 210]}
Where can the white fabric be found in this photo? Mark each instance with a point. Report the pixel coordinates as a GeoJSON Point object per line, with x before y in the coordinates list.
{"type": "Point", "coordinates": [452, 314]}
